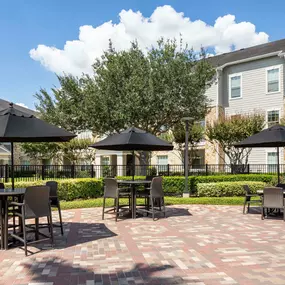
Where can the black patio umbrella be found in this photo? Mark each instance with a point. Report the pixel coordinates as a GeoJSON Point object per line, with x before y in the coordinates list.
{"type": "Point", "coordinates": [271, 137]}
{"type": "Point", "coordinates": [133, 139]}
{"type": "Point", "coordinates": [17, 126]}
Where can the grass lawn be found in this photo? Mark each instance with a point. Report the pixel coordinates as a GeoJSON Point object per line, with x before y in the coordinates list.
{"type": "Point", "coordinates": [90, 203]}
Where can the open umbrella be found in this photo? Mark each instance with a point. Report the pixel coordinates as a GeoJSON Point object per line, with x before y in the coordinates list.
{"type": "Point", "coordinates": [17, 126]}
{"type": "Point", "coordinates": [133, 139]}
{"type": "Point", "coordinates": [271, 137]}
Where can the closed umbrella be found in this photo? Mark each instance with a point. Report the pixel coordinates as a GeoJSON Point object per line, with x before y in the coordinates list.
{"type": "Point", "coordinates": [271, 137]}
{"type": "Point", "coordinates": [18, 126]}
{"type": "Point", "coordinates": [133, 139]}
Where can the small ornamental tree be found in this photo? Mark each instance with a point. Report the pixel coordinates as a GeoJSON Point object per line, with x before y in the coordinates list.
{"type": "Point", "coordinates": [196, 135]}
{"type": "Point", "coordinates": [230, 130]}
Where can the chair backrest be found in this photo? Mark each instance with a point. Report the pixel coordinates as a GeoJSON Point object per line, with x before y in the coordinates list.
{"type": "Point", "coordinates": [156, 189]}
{"type": "Point", "coordinates": [281, 185]}
{"type": "Point", "coordinates": [53, 188]}
{"type": "Point", "coordinates": [36, 200]}
{"type": "Point", "coordinates": [149, 177]}
{"type": "Point", "coordinates": [273, 197]}
{"type": "Point", "coordinates": [2, 186]}
{"type": "Point", "coordinates": [110, 188]}
{"type": "Point", "coordinates": [246, 189]}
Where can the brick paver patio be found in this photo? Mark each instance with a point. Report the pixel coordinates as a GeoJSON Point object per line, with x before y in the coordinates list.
{"type": "Point", "coordinates": [193, 245]}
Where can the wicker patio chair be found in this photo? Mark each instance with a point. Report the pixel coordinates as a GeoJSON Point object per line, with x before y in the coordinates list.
{"type": "Point", "coordinates": [112, 190]}
{"type": "Point", "coordinates": [36, 204]}
{"type": "Point", "coordinates": [273, 198]}
{"type": "Point", "coordinates": [248, 198]}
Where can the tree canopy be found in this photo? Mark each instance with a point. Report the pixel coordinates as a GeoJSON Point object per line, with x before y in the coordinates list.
{"type": "Point", "coordinates": [230, 130]}
{"type": "Point", "coordinates": [151, 90]}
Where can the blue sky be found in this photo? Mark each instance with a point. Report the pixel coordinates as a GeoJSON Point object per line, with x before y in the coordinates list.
{"type": "Point", "coordinates": [26, 24]}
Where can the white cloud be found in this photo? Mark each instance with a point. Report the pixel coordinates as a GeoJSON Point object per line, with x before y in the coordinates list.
{"type": "Point", "coordinates": [77, 56]}
{"type": "Point", "coordinates": [22, 105]}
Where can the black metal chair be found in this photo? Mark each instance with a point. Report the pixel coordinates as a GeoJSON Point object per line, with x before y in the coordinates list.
{"type": "Point", "coordinates": [248, 198]}
{"type": "Point", "coordinates": [112, 190]}
{"type": "Point", "coordinates": [54, 201]}
{"type": "Point", "coordinates": [36, 204]}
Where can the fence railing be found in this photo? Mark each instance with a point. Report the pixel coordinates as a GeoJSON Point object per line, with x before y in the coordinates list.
{"type": "Point", "coordinates": [47, 172]}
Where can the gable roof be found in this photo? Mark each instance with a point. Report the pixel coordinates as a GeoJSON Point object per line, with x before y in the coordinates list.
{"type": "Point", "coordinates": [6, 104]}
{"type": "Point", "coordinates": [247, 53]}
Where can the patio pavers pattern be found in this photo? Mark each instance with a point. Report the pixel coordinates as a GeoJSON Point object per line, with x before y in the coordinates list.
{"type": "Point", "coordinates": [195, 244]}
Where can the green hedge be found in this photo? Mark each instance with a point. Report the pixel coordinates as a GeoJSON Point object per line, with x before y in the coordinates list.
{"type": "Point", "coordinates": [227, 189]}
{"type": "Point", "coordinates": [71, 189]}
{"type": "Point", "coordinates": [174, 185]}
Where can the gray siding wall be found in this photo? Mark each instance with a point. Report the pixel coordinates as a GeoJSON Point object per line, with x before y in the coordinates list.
{"type": "Point", "coordinates": [254, 97]}
{"type": "Point", "coordinates": [211, 93]}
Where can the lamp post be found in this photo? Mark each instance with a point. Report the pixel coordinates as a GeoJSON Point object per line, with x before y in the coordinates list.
{"type": "Point", "coordinates": [186, 166]}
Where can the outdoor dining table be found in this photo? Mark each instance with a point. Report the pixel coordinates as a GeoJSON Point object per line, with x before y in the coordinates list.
{"type": "Point", "coordinates": [4, 195]}
{"type": "Point", "coordinates": [133, 185]}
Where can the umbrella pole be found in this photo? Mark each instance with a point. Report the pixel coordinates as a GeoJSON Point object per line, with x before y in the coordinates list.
{"type": "Point", "coordinates": [134, 165]}
{"type": "Point", "coordinates": [278, 166]}
{"type": "Point", "coordinates": [12, 165]}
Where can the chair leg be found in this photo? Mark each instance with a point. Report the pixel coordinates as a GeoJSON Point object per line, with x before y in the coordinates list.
{"type": "Point", "coordinates": [24, 232]}
{"type": "Point", "coordinates": [248, 206]}
{"type": "Point", "coordinates": [60, 218]}
{"type": "Point", "coordinates": [164, 210]}
{"type": "Point", "coordinates": [262, 213]}
{"type": "Point", "coordinates": [36, 229]}
{"type": "Point", "coordinates": [152, 208]}
{"type": "Point", "coordinates": [48, 222]}
{"type": "Point", "coordinates": [117, 208]}
{"type": "Point", "coordinates": [103, 208]}
{"type": "Point", "coordinates": [244, 205]}
{"type": "Point", "coordinates": [51, 228]}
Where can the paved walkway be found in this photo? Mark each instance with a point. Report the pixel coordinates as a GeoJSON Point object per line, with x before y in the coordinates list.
{"type": "Point", "coordinates": [193, 245]}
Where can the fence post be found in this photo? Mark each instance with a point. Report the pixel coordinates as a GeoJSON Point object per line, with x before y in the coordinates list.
{"type": "Point", "coordinates": [248, 170]}
{"type": "Point", "coordinates": [43, 172]}
{"type": "Point", "coordinates": [92, 171]}
{"type": "Point", "coordinates": [168, 170]}
{"type": "Point", "coordinates": [206, 169]}
{"type": "Point", "coordinates": [6, 173]}
{"type": "Point", "coordinates": [72, 170]}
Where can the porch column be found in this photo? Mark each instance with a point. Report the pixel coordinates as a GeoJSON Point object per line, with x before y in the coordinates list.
{"type": "Point", "coordinates": [120, 165]}
{"type": "Point", "coordinates": [97, 166]}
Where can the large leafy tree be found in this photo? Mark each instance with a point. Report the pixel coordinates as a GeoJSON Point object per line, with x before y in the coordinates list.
{"type": "Point", "coordinates": [230, 130]}
{"type": "Point", "coordinates": [151, 90]}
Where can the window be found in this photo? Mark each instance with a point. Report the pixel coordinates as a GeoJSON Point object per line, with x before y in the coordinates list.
{"type": "Point", "coordinates": [272, 118]}
{"type": "Point", "coordinates": [105, 160]}
{"type": "Point", "coordinates": [162, 161]}
{"type": "Point", "coordinates": [272, 162]}
{"type": "Point", "coordinates": [273, 80]}
{"type": "Point", "coordinates": [235, 86]}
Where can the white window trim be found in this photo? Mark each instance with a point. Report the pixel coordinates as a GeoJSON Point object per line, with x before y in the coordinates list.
{"type": "Point", "coordinates": [269, 151]}
{"type": "Point", "coordinates": [230, 89]}
{"type": "Point", "coordinates": [279, 80]}
{"type": "Point", "coordinates": [272, 109]}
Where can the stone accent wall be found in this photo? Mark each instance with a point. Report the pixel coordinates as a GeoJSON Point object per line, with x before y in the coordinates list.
{"type": "Point", "coordinates": [211, 156]}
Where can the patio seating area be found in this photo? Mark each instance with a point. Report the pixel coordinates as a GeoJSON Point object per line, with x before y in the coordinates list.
{"type": "Point", "coordinates": [195, 244]}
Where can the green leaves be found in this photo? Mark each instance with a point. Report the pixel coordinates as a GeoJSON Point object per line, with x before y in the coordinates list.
{"type": "Point", "coordinates": [132, 88]}
{"type": "Point", "coordinates": [226, 132]}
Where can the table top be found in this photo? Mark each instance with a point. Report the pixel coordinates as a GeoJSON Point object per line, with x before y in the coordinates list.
{"type": "Point", "coordinates": [260, 191]}
{"type": "Point", "coordinates": [10, 192]}
{"type": "Point", "coordinates": [134, 181]}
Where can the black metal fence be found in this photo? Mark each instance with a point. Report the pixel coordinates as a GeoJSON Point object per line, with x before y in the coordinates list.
{"type": "Point", "coordinates": [47, 172]}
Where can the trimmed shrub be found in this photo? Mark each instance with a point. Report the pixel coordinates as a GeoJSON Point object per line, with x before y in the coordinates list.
{"type": "Point", "coordinates": [70, 189]}
{"type": "Point", "coordinates": [227, 189]}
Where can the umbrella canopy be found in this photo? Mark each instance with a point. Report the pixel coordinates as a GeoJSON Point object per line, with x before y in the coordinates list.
{"type": "Point", "coordinates": [18, 126]}
{"type": "Point", "coordinates": [271, 137]}
{"type": "Point", "coordinates": [133, 139]}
